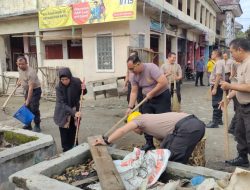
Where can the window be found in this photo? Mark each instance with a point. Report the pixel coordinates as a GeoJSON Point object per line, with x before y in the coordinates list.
{"type": "Point", "coordinates": [141, 40]}
{"type": "Point", "coordinates": [53, 50]}
{"type": "Point", "coordinates": [74, 49]}
{"type": "Point", "coordinates": [104, 52]}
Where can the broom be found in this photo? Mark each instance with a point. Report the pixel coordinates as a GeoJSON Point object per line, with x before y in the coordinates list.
{"type": "Point", "coordinates": [175, 102]}
{"type": "Point", "coordinates": [79, 119]}
{"type": "Point", "coordinates": [225, 117]}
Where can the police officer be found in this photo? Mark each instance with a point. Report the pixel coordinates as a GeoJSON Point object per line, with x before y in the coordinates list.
{"type": "Point", "coordinates": [154, 86]}
{"type": "Point", "coordinates": [178, 132]}
{"type": "Point", "coordinates": [172, 71]}
{"type": "Point", "coordinates": [240, 50]}
{"type": "Point", "coordinates": [217, 75]}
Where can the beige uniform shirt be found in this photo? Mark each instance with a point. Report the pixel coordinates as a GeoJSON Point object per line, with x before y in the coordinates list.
{"type": "Point", "coordinates": [159, 125]}
{"type": "Point", "coordinates": [173, 69]}
{"type": "Point", "coordinates": [243, 76]}
{"type": "Point", "coordinates": [219, 68]}
{"type": "Point", "coordinates": [28, 76]}
{"type": "Point", "coordinates": [228, 64]}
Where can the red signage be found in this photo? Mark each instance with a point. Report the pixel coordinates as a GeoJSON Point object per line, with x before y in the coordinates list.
{"type": "Point", "coordinates": [81, 12]}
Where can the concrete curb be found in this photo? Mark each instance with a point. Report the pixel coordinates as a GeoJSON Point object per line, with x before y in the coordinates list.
{"type": "Point", "coordinates": [38, 177]}
{"type": "Point", "coordinates": [25, 155]}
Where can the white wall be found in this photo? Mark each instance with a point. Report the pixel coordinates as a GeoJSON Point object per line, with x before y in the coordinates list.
{"type": "Point", "coordinates": [75, 65]}
{"type": "Point", "coordinates": [120, 45]}
{"type": "Point", "coordinates": [16, 26]}
{"type": "Point", "coordinates": [140, 26]}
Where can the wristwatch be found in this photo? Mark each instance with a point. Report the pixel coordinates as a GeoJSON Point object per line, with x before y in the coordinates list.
{"type": "Point", "coordinates": [106, 140]}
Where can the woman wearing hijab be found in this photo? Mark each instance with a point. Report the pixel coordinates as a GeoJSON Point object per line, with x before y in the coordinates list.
{"type": "Point", "coordinates": [68, 92]}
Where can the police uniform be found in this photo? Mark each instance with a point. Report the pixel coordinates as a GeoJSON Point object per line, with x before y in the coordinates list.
{"type": "Point", "coordinates": [242, 130]}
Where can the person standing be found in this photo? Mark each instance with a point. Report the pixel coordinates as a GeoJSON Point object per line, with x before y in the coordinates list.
{"type": "Point", "coordinates": [68, 92]}
{"type": "Point", "coordinates": [200, 67]}
{"type": "Point", "coordinates": [210, 67]}
{"type": "Point", "coordinates": [233, 79]}
{"type": "Point", "coordinates": [178, 132]}
{"type": "Point", "coordinates": [240, 50]}
{"type": "Point", "coordinates": [216, 77]}
{"type": "Point", "coordinates": [32, 87]}
{"type": "Point", "coordinates": [172, 71]}
{"type": "Point", "coordinates": [127, 83]}
{"type": "Point", "coordinates": [228, 65]}
{"type": "Point", "coordinates": [154, 87]}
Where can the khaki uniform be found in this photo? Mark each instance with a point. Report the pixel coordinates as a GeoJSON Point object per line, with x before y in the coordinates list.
{"type": "Point", "coordinates": [219, 68]}
{"type": "Point", "coordinates": [174, 69]}
{"type": "Point", "coordinates": [178, 132]}
{"type": "Point", "coordinates": [26, 77]}
{"type": "Point", "coordinates": [242, 130]}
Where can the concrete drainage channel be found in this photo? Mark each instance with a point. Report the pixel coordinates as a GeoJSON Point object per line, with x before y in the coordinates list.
{"type": "Point", "coordinates": [38, 177]}
{"type": "Point", "coordinates": [20, 149]}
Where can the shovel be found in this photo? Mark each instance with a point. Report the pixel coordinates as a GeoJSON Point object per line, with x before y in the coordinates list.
{"type": "Point", "coordinates": [122, 119]}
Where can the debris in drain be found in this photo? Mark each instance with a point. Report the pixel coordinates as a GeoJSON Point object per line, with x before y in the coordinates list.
{"type": "Point", "coordinates": [80, 176]}
{"type": "Point", "coordinates": [5, 145]}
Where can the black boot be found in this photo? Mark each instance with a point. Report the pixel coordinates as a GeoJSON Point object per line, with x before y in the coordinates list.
{"type": "Point", "coordinates": [148, 146]}
{"type": "Point", "coordinates": [212, 124]}
{"type": "Point", "coordinates": [27, 127]}
{"type": "Point", "coordinates": [239, 161]}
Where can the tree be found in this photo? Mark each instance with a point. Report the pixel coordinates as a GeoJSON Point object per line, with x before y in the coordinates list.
{"type": "Point", "coordinates": [247, 33]}
{"type": "Point", "coordinates": [240, 34]}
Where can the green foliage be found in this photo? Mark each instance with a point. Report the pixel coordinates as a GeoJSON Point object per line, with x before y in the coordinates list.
{"type": "Point", "coordinates": [240, 34]}
{"type": "Point", "coordinates": [17, 139]}
{"type": "Point", "coordinates": [247, 33]}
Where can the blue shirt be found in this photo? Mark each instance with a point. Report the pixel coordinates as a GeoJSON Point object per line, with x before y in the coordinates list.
{"type": "Point", "coordinates": [200, 65]}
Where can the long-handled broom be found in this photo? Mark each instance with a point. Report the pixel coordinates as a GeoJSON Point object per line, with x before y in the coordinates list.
{"type": "Point", "coordinates": [225, 117]}
{"type": "Point", "coordinates": [79, 119]}
{"type": "Point", "coordinates": [122, 119]}
{"type": "Point", "coordinates": [175, 101]}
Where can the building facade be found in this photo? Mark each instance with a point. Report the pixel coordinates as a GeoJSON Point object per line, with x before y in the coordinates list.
{"type": "Point", "coordinates": [98, 51]}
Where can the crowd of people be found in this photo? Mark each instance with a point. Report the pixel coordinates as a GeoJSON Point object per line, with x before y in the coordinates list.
{"type": "Point", "coordinates": [179, 132]}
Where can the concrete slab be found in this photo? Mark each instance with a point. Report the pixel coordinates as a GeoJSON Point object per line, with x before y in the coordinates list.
{"type": "Point", "coordinates": [38, 177]}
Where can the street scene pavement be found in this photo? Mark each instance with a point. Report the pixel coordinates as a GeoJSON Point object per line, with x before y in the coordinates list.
{"type": "Point", "coordinates": [101, 114]}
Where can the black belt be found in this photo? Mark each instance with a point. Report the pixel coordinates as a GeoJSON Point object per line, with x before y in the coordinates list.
{"type": "Point", "coordinates": [38, 88]}
{"type": "Point", "coordinates": [179, 123]}
{"type": "Point", "coordinates": [144, 96]}
{"type": "Point", "coordinates": [245, 105]}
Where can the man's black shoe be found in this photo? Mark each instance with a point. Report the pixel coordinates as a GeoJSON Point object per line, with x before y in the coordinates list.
{"type": "Point", "coordinates": [238, 161]}
{"type": "Point", "coordinates": [212, 124]}
{"type": "Point", "coordinates": [147, 147]}
{"type": "Point", "coordinates": [202, 85]}
{"type": "Point", "coordinates": [27, 127]}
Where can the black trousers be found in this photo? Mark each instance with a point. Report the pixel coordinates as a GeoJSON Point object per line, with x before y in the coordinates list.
{"type": "Point", "coordinates": [178, 90]}
{"type": "Point", "coordinates": [217, 113]}
{"type": "Point", "coordinates": [234, 120]}
{"type": "Point", "coordinates": [181, 143]}
{"type": "Point", "coordinates": [199, 75]}
{"type": "Point", "coordinates": [158, 104]}
{"type": "Point", "coordinates": [242, 130]}
{"type": "Point", "coordinates": [34, 104]}
{"type": "Point", "coordinates": [139, 95]}
{"type": "Point", "coordinates": [227, 76]}
{"type": "Point", "coordinates": [68, 136]}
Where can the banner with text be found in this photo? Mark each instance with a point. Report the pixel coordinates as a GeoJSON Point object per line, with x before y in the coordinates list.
{"type": "Point", "coordinates": [88, 12]}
